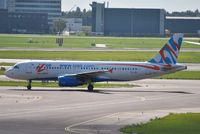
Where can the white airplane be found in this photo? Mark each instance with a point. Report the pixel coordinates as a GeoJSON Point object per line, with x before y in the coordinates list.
{"type": "Point", "coordinates": [76, 73]}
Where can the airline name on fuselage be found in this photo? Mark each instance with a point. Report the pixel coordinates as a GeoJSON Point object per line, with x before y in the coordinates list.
{"type": "Point", "coordinates": [43, 67]}
{"type": "Point", "coordinates": [70, 65]}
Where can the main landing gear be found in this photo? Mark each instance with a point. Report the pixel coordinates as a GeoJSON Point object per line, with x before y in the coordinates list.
{"type": "Point", "coordinates": [29, 85]}
{"type": "Point", "coordinates": [90, 87]}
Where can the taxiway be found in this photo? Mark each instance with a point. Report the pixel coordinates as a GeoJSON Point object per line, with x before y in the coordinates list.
{"type": "Point", "coordinates": [105, 111]}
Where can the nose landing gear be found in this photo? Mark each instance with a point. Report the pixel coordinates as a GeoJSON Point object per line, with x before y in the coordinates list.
{"type": "Point", "coordinates": [29, 85]}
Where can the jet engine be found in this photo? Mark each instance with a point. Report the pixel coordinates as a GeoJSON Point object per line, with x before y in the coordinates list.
{"type": "Point", "coordinates": [68, 81]}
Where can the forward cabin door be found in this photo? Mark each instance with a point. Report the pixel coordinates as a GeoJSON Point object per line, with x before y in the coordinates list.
{"type": "Point", "coordinates": [29, 70]}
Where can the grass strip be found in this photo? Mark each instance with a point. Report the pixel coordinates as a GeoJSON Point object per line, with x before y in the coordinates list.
{"type": "Point", "coordinates": [172, 124]}
{"type": "Point", "coordinates": [48, 41]}
{"type": "Point", "coordinates": [185, 57]}
{"type": "Point", "coordinates": [6, 64]}
{"type": "Point", "coordinates": [55, 84]}
{"type": "Point", "coordinates": [2, 72]}
{"type": "Point", "coordinates": [189, 75]}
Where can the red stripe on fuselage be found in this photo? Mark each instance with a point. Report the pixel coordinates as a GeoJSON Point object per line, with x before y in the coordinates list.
{"type": "Point", "coordinates": [167, 65]}
{"type": "Point", "coordinates": [154, 67]}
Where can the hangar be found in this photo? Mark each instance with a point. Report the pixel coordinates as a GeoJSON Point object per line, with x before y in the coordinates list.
{"type": "Point", "coordinates": [140, 22]}
{"type": "Point", "coordinates": [190, 26]}
{"type": "Point", "coordinates": [127, 22]}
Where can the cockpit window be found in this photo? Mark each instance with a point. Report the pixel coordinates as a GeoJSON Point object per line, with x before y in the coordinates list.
{"type": "Point", "coordinates": [16, 67]}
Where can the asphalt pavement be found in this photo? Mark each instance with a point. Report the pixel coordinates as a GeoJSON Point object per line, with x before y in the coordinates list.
{"type": "Point", "coordinates": [105, 111]}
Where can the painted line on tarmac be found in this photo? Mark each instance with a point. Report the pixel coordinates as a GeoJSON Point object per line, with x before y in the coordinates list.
{"type": "Point", "coordinates": [149, 114]}
{"type": "Point", "coordinates": [69, 128]}
{"type": "Point", "coordinates": [191, 42]}
{"type": "Point", "coordinates": [77, 131]}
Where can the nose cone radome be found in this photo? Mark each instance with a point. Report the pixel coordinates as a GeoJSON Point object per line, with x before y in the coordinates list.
{"type": "Point", "coordinates": [9, 73]}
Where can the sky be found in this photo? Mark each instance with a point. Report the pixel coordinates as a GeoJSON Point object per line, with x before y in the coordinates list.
{"type": "Point", "coordinates": [169, 5]}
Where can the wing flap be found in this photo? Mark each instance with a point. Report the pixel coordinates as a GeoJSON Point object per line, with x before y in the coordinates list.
{"type": "Point", "coordinates": [85, 76]}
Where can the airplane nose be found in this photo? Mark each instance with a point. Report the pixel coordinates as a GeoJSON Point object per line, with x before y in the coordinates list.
{"type": "Point", "coordinates": [9, 73]}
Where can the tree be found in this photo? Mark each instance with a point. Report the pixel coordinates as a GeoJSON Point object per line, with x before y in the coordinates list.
{"type": "Point", "coordinates": [187, 13]}
{"type": "Point", "coordinates": [77, 13]}
{"type": "Point", "coordinates": [58, 26]}
{"type": "Point", "coordinates": [84, 11]}
{"type": "Point", "coordinates": [197, 13]}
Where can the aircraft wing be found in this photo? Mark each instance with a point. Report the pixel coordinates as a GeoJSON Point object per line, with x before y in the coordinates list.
{"type": "Point", "coordinates": [88, 75]}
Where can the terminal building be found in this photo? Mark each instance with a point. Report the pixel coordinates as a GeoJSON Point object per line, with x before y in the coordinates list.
{"type": "Point", "coordinates": [50, 7]}
{"type": "Point", "coordinates": [28, 16]}
{"type": "Point", "coordinates": [127, 22]}
{"type": "Point", "coordinates": [3, 4]}
{"type": "Point", "coordinates": [4, 21]}
{"type": "Point", "coordinates": [23, 22]}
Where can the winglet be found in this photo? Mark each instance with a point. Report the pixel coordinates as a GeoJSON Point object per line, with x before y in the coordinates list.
{"type": "Point", "coordinates": [168, 55]}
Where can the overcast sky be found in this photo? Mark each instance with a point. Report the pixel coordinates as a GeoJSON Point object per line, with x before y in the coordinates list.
{"type": "Point", "coordinates": [169, 5]}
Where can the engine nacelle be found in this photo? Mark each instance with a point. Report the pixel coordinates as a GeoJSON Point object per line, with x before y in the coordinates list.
{"type": "Point", "coordinates": [68, 81]}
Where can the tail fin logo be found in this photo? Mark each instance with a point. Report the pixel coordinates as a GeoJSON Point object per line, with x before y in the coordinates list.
{"type": "Point", "coordinates": [169, 53]}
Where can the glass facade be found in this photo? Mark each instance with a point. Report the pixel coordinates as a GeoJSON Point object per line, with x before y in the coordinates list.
{"type": "Point", "coordinates": [23, 23]}
{"type": "Point", "coordinates": [2, 4]}
{"type": "Point", "coordinates": [51, 7]}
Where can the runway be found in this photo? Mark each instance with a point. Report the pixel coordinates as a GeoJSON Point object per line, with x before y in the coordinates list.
{"type": "Point", "coordinates": [76, 111]}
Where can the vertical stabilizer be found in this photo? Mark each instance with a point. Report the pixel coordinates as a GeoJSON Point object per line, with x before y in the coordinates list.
{"type": "Point", "coordinates": [168, 55]}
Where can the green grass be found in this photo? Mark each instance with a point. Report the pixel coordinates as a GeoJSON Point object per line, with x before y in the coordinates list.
{"type": "Point", "coordinates": [24, 84]}
{"type": "Point", "coordinates": [185, 57]}
{"type": "Point", "coordinates": [189, 75]}
{"type": "Point", "coordinates": [55, 84]}
{"type": "Point", "coordinates": [43, 41]}
{"type": "Point", "coordinates": [172, 124]}
{"type": "Point", "coordinates": [2, 72]}
{"type": "Point", "coordinates": [6, 64]}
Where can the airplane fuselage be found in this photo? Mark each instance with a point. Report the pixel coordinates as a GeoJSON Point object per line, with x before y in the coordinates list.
{"type": "Point", "coordinates": [117, 71]}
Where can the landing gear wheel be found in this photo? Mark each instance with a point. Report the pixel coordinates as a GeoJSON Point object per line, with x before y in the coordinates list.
{"type": "Point", "coordinates": [29, 85]}
{"type": "Point", "coordinates": [90, 88]}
